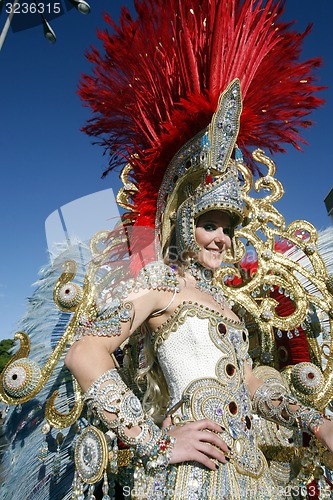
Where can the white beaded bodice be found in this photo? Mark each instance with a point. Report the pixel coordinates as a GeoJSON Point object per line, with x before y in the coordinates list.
{"type": "Point", "coordinates": [202, 356]}
{"type": "Point", "coordinates": [185, 348]}
{"type": "Point", "coordinates": [187, 354]}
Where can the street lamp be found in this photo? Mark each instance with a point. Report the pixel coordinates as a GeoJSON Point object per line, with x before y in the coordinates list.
{"type": "Point", "coordinates": [48, 31]}
{"type": "Point", "coordinates": [81, 5]}
{"type": "Point", "coordinates": [5, 29]}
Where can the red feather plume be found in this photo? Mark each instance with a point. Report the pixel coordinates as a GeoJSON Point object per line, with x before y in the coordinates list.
{"type": "Point", "coordinates": [158, 81]}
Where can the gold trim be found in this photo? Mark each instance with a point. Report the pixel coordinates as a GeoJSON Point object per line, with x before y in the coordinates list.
{"type": "Point", "coordinates": [179, 315]}
{"type": "Point", "coordinates": [104, 454]}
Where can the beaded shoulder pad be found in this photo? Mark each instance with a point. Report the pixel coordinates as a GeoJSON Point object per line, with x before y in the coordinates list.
{"type": "Point", "coordinates": [112, 309]}
{"type": "Point", "coordinates": [159, 276]}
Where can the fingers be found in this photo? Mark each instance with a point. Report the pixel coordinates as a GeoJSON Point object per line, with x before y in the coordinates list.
{"type": "Point", "coordinates": [203, 459]}
{"type": "Point", "coordinates": [166, 422]}
{"type": "Point", "coordinates": [212, 452]}
{"type": "Point", "coordinates": [199, 441]}
{"type": "Point", "coordinates": [210, 437]}
{"type": "Point", "coordinates": [206, 424]}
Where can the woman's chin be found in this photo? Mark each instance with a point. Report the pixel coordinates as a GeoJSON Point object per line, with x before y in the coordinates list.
{"type": "Point", "coordinates": [212, 262]}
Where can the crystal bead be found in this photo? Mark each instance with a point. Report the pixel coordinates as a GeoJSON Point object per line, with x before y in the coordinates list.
{"type": "Point", "coordinates": [46, 428]}
{"type": "Point", "coordinates": [266, 357]}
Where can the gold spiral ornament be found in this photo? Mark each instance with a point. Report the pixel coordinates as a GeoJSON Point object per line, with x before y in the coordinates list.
{"type": "Point", "coordinates": [21, 378]}
{"type": "Point", "coordinates": [69, 296]}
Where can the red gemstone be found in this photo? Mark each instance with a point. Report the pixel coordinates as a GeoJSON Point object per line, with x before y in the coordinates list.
{"type": "Point", "coordinates": [233, 407]}
{"type": "Point", "coordinates": [222, 329]}
{"type": "Point", "coordinates": [248, 422]}
{"type": "Point", "coordinates": [230, 369]}
{"type": "Point", "coordinates": [311, 375]}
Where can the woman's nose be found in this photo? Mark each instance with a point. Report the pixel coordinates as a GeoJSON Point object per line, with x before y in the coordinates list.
{"type": "Point", "coordinates": [220, 236]}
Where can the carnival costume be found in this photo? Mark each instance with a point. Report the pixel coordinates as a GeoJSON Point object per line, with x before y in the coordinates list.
{"type": "Point", "coordinates": [212, 82]}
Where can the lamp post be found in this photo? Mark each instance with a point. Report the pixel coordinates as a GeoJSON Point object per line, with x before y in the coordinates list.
{"type": "Point", "coordinates": [7, 23]}
{"type": "Point", "coordinates": [48, 31]}
{"type": "Point", "coordinates": [81, 5]}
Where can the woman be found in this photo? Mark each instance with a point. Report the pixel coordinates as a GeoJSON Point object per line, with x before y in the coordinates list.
{"type": "Point", "coordinates": [201, 347]}
{"type": "Point", "coordinates": [156, 86]}
{"type": "Point", "coordinates": [198, 371]}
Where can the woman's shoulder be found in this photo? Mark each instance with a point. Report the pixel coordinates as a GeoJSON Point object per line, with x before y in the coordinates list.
{"type": "Point", "coordinates": [158, 276]}
{"type": "Point", "coordinates": [115, 303]}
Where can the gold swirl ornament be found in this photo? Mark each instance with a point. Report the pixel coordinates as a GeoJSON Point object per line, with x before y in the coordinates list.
{"type": "Point", "coordinates": [67, 295]}
{"type": "Point", "coordinates": [127, 190]}
{"type": "Point", "coordinates": [21, 377]}
{"type": "Point", "coordinates": [263, 226]}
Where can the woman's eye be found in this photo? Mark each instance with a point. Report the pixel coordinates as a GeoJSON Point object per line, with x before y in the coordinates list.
{"type": "Point", "coordinates": [227, 230]}
{"type": "Point", "coordinates": [209, 227]}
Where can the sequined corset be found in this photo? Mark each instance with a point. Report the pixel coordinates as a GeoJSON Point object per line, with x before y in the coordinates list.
{"type": "Point", "coordinates": [202, 355]}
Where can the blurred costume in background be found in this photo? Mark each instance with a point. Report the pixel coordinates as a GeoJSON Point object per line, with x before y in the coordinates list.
{"type": "Point", "coordinates": [181, 95]}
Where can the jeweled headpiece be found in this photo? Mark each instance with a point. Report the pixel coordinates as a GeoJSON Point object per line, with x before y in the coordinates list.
{"type": "Point", "coordinates": [157, 85]}
{"type": "Point", "coordinates": [205, 174]}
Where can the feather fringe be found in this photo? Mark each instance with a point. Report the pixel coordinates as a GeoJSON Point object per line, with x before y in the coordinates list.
{"type": "Point", "coordinates": [157, 82]}
{"type": "Point", "coordinates": [25, 476]}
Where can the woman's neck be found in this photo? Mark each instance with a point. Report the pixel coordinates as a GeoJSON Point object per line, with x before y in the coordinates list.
{"type": "Point", "coordinates": [200, 273]}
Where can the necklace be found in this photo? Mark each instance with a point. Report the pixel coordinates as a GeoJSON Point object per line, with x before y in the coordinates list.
{"type": "Point", "coordinates": [204, 278]}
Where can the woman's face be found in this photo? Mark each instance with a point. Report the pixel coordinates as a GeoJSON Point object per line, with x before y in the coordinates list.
{"type": "Point", "coordinates": [212, 235]}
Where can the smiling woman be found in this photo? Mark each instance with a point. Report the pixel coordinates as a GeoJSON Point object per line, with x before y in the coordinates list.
{"type": "Point", "coordinates": [212, 233]}
{"type": "Point", "coordinates": [177, 327]}
{"type": "Point", "coordinates": [194, 431]}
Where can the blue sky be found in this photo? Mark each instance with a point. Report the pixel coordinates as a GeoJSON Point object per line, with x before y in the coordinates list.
{"type": "Point", "coordinates": [47, 162]}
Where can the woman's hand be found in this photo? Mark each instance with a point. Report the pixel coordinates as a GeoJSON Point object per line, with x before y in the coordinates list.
{"type": "Point", "coordinates": [325, 434]}
{"type": "Point", "coordinates": [195, 442]}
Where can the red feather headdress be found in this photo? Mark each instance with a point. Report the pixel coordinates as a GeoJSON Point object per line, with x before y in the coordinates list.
{"type": "Point", "coordinates": [158, 81]}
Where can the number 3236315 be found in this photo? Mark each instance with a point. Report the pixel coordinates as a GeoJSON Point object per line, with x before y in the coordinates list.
{"type": "Point", "coordinates": [33, 8]}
